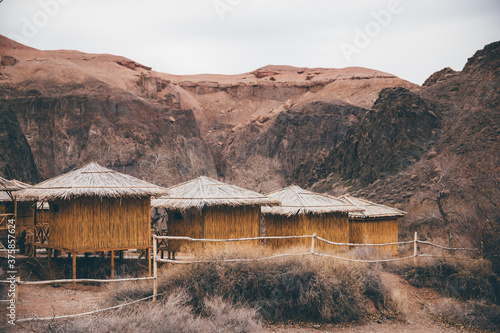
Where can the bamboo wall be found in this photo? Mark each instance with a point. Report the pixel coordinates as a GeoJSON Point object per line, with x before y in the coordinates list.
{"type": "Point", "coordinates": [214, 222]}
{"type": "Point", "coordinates": [375, 231]}
{"type": "Point", "coordinates": [89, 224]}
{"type": "Point", "coordinates": [332, 226]}
{"type": "Point", "coordinates": [191, 225]}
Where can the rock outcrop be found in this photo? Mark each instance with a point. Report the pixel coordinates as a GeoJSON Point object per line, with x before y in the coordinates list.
{"type": "Point", "coordinates": [16, 158]}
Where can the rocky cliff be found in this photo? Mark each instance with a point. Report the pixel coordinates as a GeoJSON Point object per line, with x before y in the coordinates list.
{"type": "Point", "coordinates": [443, 137]}
{"type": "Point", "coordinates": [257, 129]}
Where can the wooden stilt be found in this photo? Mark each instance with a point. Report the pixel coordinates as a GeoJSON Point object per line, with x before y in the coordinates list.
{"type": "Point", "coordinates": [49, 257]}
{"type": "Point", "coordinates": [74, 269]}
{"type": "Point", "coordinates": [155, 270]}
{"type": "Point", "coordinates": [16, 291]}
{"type": "Point", "coordinates": [112, 264]}
{"type": "Point", "coordinates": [148, 257]}
{"type": "Point", "coordinates": [162, 254]}
{"type": "Point", "coordinates": [121, 254]}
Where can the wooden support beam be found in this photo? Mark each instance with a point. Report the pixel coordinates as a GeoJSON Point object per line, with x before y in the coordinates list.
{"type": "Point", "coordinates": [155, 270]}
{"type": "Point", "coordinates": [74, 269]}
{"type": "Point", "coordinates": [16, 292]}
{"type": "Point", "coordinates": [49, 257]}
{"type": "Point", "coordinates": [148, 257]}
{"type": "Point", "coordinates": [112, 264]}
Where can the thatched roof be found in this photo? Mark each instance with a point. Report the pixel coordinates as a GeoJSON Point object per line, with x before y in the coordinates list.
{"type": "Point", "coordinates": [9, 186]}
{"type": "Point", "coordinates": [370, 209]}
{"type": "Point", "coordinates": [297, 201]}
{"type": "Point", "coordinates": [92, 180]}
{"type": "Point", "coordinates": [207, 192]}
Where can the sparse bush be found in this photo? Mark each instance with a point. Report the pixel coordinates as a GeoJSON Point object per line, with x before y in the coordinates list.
{"type": "Point", "coordinates": [465, 280]}
{"type": "Point", "coordinates": [171, 315]}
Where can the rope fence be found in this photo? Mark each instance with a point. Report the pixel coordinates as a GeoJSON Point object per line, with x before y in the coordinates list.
{"type": "Point", "coordinates": [446, 248]}
{"type": "Point", "coordinates": [313, 237]}
{"type": "Point", "coordinates": [88, 312]}
{"type": "Point", "coordinates": [157, 259]}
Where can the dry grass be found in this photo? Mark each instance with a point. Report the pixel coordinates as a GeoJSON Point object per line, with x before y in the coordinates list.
{"type": "Point", "coordinates": [172, 314]}
{"type": "Point", "coordinates": [473, 314]}
{"type": "Point", "coordinates": [307, 289]}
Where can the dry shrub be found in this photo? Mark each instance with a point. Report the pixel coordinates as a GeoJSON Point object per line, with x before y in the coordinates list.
{"type": "Point", "coordinates": [290, 288]}
{"type": "Point", "coordinates": [91, 268]}
{"type": "Point", "coordinates": [173, 314]}
{"type": "Point", "coordinates": [462, 279]}
{"type": "Point", "coordinates": [474, 314]}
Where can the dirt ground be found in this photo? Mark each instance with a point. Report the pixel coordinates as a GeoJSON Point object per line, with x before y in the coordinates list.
{"type": "Point", "coordinates": [415, 304]}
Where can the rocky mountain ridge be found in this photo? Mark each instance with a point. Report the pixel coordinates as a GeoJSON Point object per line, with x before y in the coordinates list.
{"type": "Point", "coordinates": [75, 107]}
{"type": "Point", "coordinates": [351, 130]}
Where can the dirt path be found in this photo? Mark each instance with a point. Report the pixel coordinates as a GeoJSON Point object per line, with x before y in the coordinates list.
{"type": "Point", "coordinates": [48, 301]}
{"type": "Point", "coordinates": [373, 328]}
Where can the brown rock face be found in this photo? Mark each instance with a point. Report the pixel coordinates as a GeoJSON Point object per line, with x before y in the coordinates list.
{"type": "Point", "coordinates": [247, 128]}
{"type": "Point", "coordinates": [16, 158]}
{"type": "Point", "coordinates": [451, 145]}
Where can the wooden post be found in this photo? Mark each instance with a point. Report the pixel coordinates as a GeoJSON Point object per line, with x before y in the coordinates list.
{"type": "Point", "coordinates": [16, 292]}
{"type": "Point", "coordinates": [148, 257]}
{"type": "Point", "coordinates": [74, 269]}
{"type": "Point", "coordinates": [121, 254]}
{"type": "Point", "coordinates": [312, 243]}
{"type": "Point", "coordinates": [112, 264]}
{"type": "Point", "coordinates": [415, 249]}
{"type": "Point", "coordinates": [49, 257]}
{"type": "Point", "coordinates": [155, 269]}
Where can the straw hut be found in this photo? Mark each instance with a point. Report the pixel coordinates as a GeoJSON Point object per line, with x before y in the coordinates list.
{"type": "Point", "coordinates": [207, 208]}
{"type": "Point", "coordinates": [7, 202]}
{"type": "Point", "coordinates": [95, 209]}
{"type": "Point", "coordinates": [375, 224]}
{"type": "Point", "coordinates": [304, 212]}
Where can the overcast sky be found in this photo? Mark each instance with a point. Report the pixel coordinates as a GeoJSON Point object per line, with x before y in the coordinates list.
{"type": "Point", "coordinates": [408, 38]}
